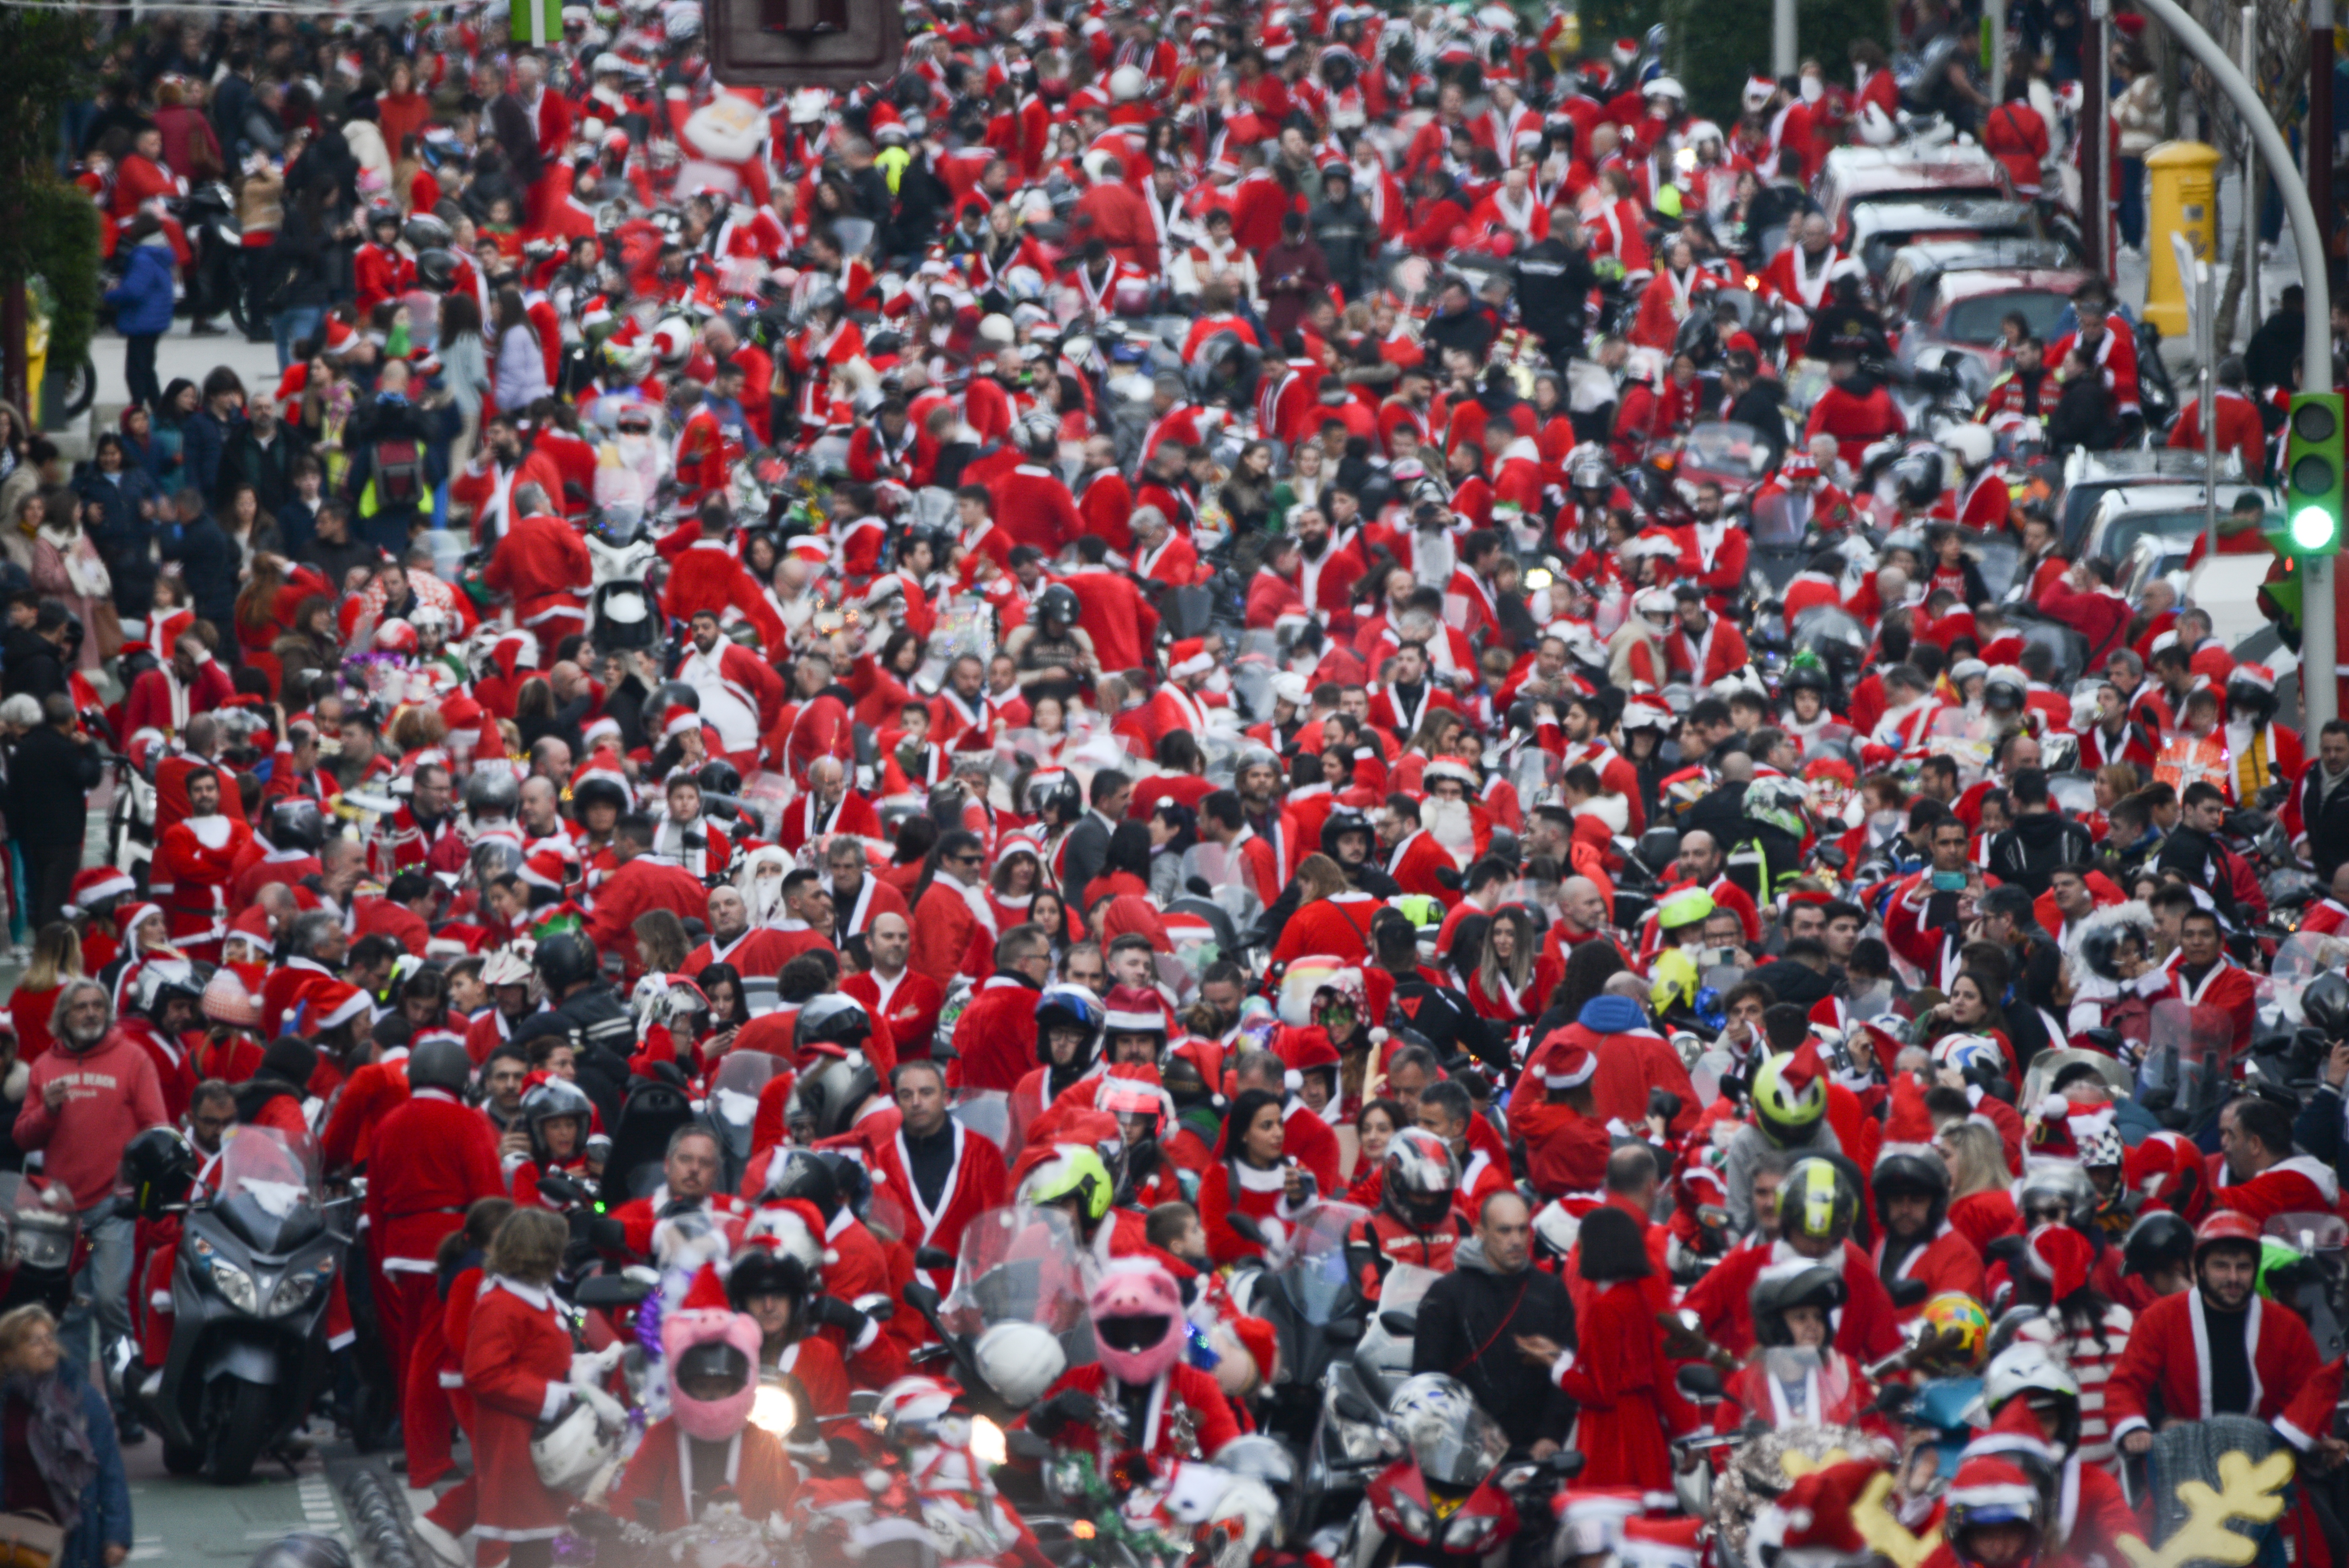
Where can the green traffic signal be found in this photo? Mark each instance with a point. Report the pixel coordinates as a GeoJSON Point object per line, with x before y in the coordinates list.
{"type": "Point", "coordinates": [2313, 474]}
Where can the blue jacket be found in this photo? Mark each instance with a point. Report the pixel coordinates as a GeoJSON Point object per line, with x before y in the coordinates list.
{"type": "Point", "coordinates": [142, 300]}
{"type": "Point", "coordinates": [105, 1501]}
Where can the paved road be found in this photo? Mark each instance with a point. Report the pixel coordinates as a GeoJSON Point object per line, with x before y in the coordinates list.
{"type": "Point", "coordinates": [181, 1520]}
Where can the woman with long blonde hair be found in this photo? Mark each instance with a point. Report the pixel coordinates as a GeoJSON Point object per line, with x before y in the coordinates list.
{"type": "Point", "coordinates": [57, 959]}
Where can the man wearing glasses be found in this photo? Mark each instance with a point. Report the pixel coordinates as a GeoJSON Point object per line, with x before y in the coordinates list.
{"type": "Point", "coordinates": [953, 908]}
{"type": "Point", "coordinates": [995, 1039]}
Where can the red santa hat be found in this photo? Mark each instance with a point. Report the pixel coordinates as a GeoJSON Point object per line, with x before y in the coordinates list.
{"type": "Point", "coordinates": [1258, 1339]}
{"type": "Point", "coordinates": [1661, 1542]}
{"type": "Point", "coordinates": [341, 337]}
{"type": "Point", "coordinates": [98, 884]}
{"type": "Point", "coordinates": [1136, 1010]}
{"type": "Point", "coordinates": [326, 1002]}
{"type": "Point", "coordinates": [1568, 1067]}
{"type": "Point", "coordinates": [1990, 1481]}
{"type": "Point", "coordinates": [1758, 90]}
{"type": "Point", "coordinates": [1450, 767]}
{"type": "Point", "coordinates": [547, 868]}
{"type": "Point", "coordinates": [1799, 465]}
{"type": "Point", "coordinates": [1814, 1516]}
{"type": "Point", "coordinates": [2061, 1256]}
{"type": "Point", "coordinates": [1189, 656]}
{"type": "Point", "coordinates": [677, 719]}
{"type": "Point", "coordinates": [2258, 675]}
{"type": "Point", "coordinates": [1908, 1126]}
{"type": "Point", "coordinates": [809, 547]}
{"type": "Point", "coordinates": [1623, 51]}
{"type": "Point", "coordinates": [1803, 1068]}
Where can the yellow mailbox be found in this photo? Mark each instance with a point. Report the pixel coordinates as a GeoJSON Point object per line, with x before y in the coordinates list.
{"type": "Point", "coordinates": [2182, 197]}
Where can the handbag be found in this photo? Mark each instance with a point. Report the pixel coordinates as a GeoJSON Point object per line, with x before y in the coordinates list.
{"type": "Point", "coordinates": [30, 1541]}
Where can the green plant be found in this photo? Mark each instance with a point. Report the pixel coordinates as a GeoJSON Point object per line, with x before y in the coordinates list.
{"type": "Point", "coordinates": [1714, 48]}
{"type": "Point", "coordinates": [63, 253]}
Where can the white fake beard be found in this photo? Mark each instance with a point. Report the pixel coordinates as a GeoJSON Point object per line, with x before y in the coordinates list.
{"type": "Point", "coordinates": [1450, 822]}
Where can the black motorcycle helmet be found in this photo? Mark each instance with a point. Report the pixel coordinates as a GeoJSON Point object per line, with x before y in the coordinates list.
{"type": "Point", "coordinates": [436, 271]}
{"type": "Point", "coordinates": [2160, 1240]}
{"type": "Point", "coordinates": [295, 823]}
{"type": "Point", "coordinates": [440, 1064]}
{"type": "Point", "coordinates": [1903, 1173]}
{"type": "Point", "coordinates": [762, 1271]}
{"type": "Point", "coordinates": [160, 1169]}
{"type": "Point", "coordinates": [599, 791]}
{"type": "Point", "coordinates": [1341, 821]}
{"type": "Point", "coordinates": [1057, 603]}
{"type": "Point", "coordinates": [563, 959]}
{"type": "Point", "coordinates": [802, 1173]}
{"type": "Point", "coordinates": [1774, 1295]}
{"type": "Point", "coordinates": [849, 1175]}
{"type": "Point", "coordinates": [2325, 1004]}
{"type": "Point", "coordinates": [718, 777]}
{"type": "Point", "coordinates": [426, 232]}
{"type": "Point", "coordinates": [831, 1019]}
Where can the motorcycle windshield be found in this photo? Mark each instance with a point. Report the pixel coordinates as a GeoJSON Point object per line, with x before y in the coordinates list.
{"type": "Point", "coordinates": [1454, 1443]}
{"type": "Point", "coordinates": [1316, 1279]}
{"type": "Point", "coordinates": [1016, 1264]}
{"type": "Point", "coordinates": [2303, 956]}
{"type": "Point", "coordinates": [2182, 1038]}
{"type": "Point", "coordinates": [734, 1092]}
{"type": "Point", "coordinates": [2309, 1232]}
{"type": "Point", "coordinates": [266, 1188]}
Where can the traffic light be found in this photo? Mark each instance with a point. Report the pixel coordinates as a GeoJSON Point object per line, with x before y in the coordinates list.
{"type": "Point", "coordinates": [2312, 475]}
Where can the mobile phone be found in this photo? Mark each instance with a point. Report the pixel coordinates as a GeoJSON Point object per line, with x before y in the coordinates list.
{"type": "Point", "coordinates": [1948, 881]}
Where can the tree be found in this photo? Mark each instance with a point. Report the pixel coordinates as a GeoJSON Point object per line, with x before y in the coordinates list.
{"type": "Point", "coordinates": [45, 62]}
{"type": "Point", "coordinates": [1715, 49]}
{"type": "Point", "coordinates": [2280, 73]}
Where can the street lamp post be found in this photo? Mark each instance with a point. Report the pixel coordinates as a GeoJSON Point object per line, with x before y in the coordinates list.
{"type": "Point", "coordinates": [2318, 666]}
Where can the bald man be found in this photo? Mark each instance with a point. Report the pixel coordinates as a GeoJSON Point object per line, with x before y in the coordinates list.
{"type": "Point", "coordinates": [828, 807]}
{"type": "Point", "coordinates": [910, 1001]}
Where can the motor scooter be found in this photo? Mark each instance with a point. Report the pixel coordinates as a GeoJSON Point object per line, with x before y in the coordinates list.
{"type": "Point", "coordinates": [256, 1268]}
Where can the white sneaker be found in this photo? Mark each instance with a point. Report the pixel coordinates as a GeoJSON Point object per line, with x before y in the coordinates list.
{"type": "Point", "coordinates": [441, 1543]}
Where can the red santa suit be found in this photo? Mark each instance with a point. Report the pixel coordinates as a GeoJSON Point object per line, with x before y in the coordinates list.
{"type": "Point", "coordinates": [974, 1184]}
{"type": "Point", "coordinates": [517, 1370]}
{"type": "Point", "coordinates": [543, 565]}
{"type": "Point", "coordinates": [195, 861]}
{"type": "Point", "coordinates": [430, 1159]}
{"type": "Point", "coordinates": [2167, 1359]}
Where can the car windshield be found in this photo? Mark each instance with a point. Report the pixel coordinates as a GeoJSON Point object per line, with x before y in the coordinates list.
{"type": "Point", "coordinates": [1976, 320]}
{"type": "Point", "coordinates": [2126, 530]}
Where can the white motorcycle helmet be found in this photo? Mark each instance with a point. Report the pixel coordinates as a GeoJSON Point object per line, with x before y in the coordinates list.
{"type": "Point", "coordinates": [1971, 444]}
{"type": "Point", "coordinates": [1020, 1361]}
{"type": "Point", "coordinates": [569, 1456]}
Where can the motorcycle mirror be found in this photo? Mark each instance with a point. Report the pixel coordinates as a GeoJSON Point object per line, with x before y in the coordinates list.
{"type": "Point", "coordinates": [922, 1298]}
{"type": "Point", "coordinates": [1566, 1462]}
{"type": "Point", "coordinates": [1245, 1227]}
{"type": "Point", "coordinates": [561, 1191]}
{"type": "Point", "coordinates": [612, 1290]}
{"type": "Point", "coordinates": [931, 1258]}
{"type": "Point", "coordinates": [1909, 1292]}
{"type": "Point", "coordinates": [1699, 1382]}
{"type": "Point", "coordinates": [1023, 1444]}
{"type": "Point", "coordinates": [1402, 1324]}
{"type": "Point", "coordinates": [2007, 1249]}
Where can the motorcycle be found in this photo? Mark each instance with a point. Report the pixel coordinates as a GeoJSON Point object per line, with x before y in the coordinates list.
{"type": "Point", "coordinates": [42, 1242]}
{"type": "Point", "coordinates": [215, 280]}
{"type": "Point", "coordinates": [256, 1267]}
{"type": "Point", "coordinates": [1448, 1494]}
{"type": "Point", "coordinates": [622, 612]}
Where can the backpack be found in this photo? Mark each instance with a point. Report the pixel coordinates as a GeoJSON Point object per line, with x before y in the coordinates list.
{"type": "Point", "coordinates": [398, 473]}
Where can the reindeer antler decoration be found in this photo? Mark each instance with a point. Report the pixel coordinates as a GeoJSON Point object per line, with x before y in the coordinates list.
{"type": "Point", "coordinates": [2247, 1491]}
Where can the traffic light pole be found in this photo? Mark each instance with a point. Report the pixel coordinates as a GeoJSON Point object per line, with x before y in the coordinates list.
{"type": "Point", "coordinates": [2317, 635]}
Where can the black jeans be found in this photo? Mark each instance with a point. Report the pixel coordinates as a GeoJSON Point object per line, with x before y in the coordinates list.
{"type": "Point", "coordinates": [48, 876]}
{"type": "Point", "coordinates": [139, 369]}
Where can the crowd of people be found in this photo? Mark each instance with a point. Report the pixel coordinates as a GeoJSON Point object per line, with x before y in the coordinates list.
{"type": "Point", "coordinates": [722, 594]}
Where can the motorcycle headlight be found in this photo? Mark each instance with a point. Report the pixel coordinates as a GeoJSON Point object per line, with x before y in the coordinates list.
{"type": "Point", "coordinates": [1470, 1532]}
{"type": "Point", "coordinates": [1412, 1518]}
{"type": "Point", "coordinates": [773, 1408]}
{"type": "Point", "coordinates": [302, 1287]}
{"type": "Point", "coordinates": [986, 1442]}
{"type": "Point", "coordinates": [234, 1285]}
